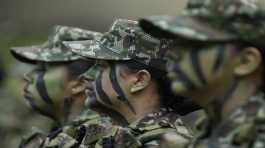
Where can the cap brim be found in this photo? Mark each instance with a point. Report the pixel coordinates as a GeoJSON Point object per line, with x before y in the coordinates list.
{"type": "Point", "coordinates": [187, 27]}
{"type": "Point", "coordinates": [33, 54]}
{"type": "Point", "coordinates": [94, 50]}
{"type": "Point", "coordinates": [26, 54]}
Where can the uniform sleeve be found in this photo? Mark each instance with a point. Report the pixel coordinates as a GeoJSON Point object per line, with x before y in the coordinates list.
{"type": "Point", "coordinates": [33, 140]}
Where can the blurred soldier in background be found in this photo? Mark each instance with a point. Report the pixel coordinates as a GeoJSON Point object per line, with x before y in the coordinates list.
{"type": "Point", "coordinates": [132, 86]}
{"type": "Point", "coordinates": [16, 120]}
{"type": "Point", "coordinates": [218, 61]}
{"type": "Point", "coordinates": [52, 88]}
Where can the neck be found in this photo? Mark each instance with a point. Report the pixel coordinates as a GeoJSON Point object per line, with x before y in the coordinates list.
{"type": "Point", "coordinates": [75, 110]}
{"type": "Point", "coordinates": [69, 109]}
{"type": "Point", "coordinates": [147, 102]}
{"type": "Point", "coordinates": [233, 97]}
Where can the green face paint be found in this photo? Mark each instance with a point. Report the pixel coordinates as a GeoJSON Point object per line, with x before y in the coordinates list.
{"type": "Point", "coordinates": [190, 68]}
{"type": "Point", "coordinates": [100, 91]}
{"type": "Point", "coordinates": [45, 88]}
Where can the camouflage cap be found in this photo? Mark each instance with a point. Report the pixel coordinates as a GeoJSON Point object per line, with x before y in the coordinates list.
{"type": "Point", "coordinates": [53, 50]}
{"type": "Point", "coordinates": [212, 20]}
{"type": "Point", "coordinates": [124, 41]}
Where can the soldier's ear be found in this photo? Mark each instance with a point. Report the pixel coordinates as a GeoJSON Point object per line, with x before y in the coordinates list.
{"type": "Point", "coordinates": [141, 81]}
{"type": "Point", "coordinates": [249, 61]}
{"type": "Point", "coordinates": [77, 87]}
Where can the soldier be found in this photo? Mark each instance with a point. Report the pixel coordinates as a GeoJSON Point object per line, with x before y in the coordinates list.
{"type": "Point", "coordinates": [53, 88]}
{"type": "Point", "coordinates": [132, 86]}
{"type": "Point", "coordinates": [218, 61]}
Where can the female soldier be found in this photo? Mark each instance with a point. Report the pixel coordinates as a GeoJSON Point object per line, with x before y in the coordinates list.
{"type": "Point", "coordinates": [219, 63]}
{"type": "Point", "coordinates": [132, 85]}
{"type": "Point", "coordinates": [53, 88]}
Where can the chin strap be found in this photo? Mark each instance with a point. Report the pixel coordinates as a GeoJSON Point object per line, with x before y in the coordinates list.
{"type": "Point", "coordinates": [117, 87]}
{"type": "Point", "coordinates": [104, 97]}
{"type": "Point", "coordinates": [101, 92]}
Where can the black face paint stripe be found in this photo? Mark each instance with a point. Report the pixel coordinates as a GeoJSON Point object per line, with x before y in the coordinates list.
{"type": "Point", "coordinates": [101, 93]}
{"type": "Point", "coordinates": [183, 77]}
{"type": "Point", "coordinates": [117, 88]}
{"type": "Point", "coordinates": [219, 102]}
{"type": "Point", "coordinates": [219, 59]}
{"type": "Point", "coordinates": [229, 92]}
{"type": "Point", "coordinates": [195, 62]}
{"type": "Point", "coordinates": [37, 109]}
{"type": "Point", "coordinates": [41, 88]}
{"type": "Point", "coordinates": [116, 115]}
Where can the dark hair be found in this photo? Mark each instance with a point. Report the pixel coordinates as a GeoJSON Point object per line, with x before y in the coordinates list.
{"type": "Point", "coordinates": [179, 104]}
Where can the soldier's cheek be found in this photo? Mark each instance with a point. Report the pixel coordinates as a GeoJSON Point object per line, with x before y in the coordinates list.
{"type": "Point", "coordinates": [178, 87]}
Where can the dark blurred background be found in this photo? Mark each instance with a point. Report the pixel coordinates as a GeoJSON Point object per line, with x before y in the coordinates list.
{"type": "Point", "coordinates": [27, 22]}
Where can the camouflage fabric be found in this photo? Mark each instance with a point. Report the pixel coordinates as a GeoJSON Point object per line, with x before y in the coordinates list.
{"type": "Point", "coordinates": [124, 41]}
{"type": "Point", "coordinates": [148, 131]}
{"type": "Point", "coordinates": [82, 132]}
{"type": "Point", "coordinates": [244, 128]}
{"type": "Point", "coordinates": [33, 140]}
{"type": "Point", "coordinates": [213, 20]}
{"type": "Point", "coordinates": [100, 132]}
{"type": "Point", "coordinates": [53, 50]}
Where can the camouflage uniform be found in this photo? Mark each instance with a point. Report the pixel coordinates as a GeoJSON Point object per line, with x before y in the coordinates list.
{"type": "Point", "coordinates": [125, 41]}
{"type": "Point", "coordinates": [217, 21]}
{"type": "Point", "coordinates": [243, 128]}
{"type": "Point", "coordinates": [53, 51]}
{"type": "Point", "coordinates": [84, 131]}
{"type": "Point", "coordinates": [148, 131]}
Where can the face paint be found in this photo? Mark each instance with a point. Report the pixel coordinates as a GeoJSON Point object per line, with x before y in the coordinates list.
{"type": "Point", "coordinates": [44, 90]}
{"type": "Point", "coordinates": [36, 108]}
{"type": "Point", "coordinates": [95, 91]}
{"type": "Point", "coordinates": [176, 71]}
{"type": "Point", "coordinates": [219, 58]}
{"type": "Point", "coordinates": [195, 62]}
{"type": "Point", "coordinates": [116, 86]}
{"type": "Point", "coordinates": [94, 85]}
{"type": "Point", "coordinates": [102, 95]}
{"type": "Point", "coordinates": [41, 88]}
{"type": "Point", "coordinates": [195, 70]}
